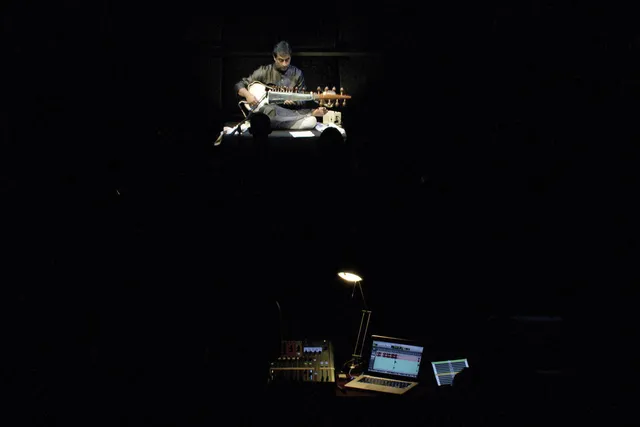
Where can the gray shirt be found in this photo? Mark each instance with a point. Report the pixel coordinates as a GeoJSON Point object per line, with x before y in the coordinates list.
{"type": "Point", "coordinates": [269, 75]}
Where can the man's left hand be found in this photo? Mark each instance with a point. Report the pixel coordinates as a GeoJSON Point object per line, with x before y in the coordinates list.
{"type": "Point", "coordinates": [319, 112]}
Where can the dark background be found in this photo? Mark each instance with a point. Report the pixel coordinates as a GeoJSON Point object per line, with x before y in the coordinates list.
{"type": "Point", "coordinates": [491, 172]}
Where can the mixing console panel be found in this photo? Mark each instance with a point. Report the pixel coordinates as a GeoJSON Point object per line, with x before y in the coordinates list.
{"type": "Point", "coordinates": [304, 361]}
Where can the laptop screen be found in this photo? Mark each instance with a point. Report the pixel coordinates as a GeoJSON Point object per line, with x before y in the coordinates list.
{"type": "Point", "coordinates": [395, 357]}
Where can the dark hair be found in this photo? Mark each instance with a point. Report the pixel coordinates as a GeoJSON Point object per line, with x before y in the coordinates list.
{"type": "Point", "coordinates": [331, 144]}
{"type": "Point", "coordinates": [282, 47]}
{"type": "Point", "coordinates": [260, 124]}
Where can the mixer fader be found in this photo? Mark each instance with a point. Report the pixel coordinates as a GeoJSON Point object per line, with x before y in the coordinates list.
{"type": "Point", "coordinates": [307, 361]}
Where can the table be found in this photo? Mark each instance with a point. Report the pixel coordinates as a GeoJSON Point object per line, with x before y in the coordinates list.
{"type": "Point", "coordinates": [278, 140]}
{"type": "Point", "coordinates": [328, 405]}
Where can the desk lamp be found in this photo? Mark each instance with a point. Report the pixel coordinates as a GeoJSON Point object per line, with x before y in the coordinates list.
{"type": "Point", "coordinates": [356, 360]}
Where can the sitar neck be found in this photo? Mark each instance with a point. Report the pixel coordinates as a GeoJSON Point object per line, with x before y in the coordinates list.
{"type": "Point", "coordinates": [275, 97]}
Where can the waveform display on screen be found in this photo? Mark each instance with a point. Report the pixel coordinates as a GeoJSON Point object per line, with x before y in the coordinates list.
{"type": "Point", "coordinates": [396, 359]}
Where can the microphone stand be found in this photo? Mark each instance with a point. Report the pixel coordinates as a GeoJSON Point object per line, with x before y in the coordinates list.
{"type": "Point", "coordinates": [267, 89]}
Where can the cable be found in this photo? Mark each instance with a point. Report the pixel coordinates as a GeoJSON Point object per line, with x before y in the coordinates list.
{"type": "Point", "coordinates": [280, 321]}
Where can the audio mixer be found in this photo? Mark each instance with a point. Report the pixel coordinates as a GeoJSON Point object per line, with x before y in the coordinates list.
{"type": "Point", "coordinates": [307, 361]}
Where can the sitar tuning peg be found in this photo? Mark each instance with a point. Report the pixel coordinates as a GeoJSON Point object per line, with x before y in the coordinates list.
{"type": "Point", "coordinates": [337, 101]}
{"type": "Point", "coordinates": [319, 92]}
{"type": "Point", "coordinates": [344, 101]}
{"type": "Point", "coordinates": [330, 102]}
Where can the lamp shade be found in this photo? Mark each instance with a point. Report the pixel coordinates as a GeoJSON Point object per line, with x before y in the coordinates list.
{"type": "Point", "coordinates": [349, 276]}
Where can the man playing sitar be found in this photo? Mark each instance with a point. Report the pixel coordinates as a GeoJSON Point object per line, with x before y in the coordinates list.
{"type": "Point", "coordinates": [288, 114]}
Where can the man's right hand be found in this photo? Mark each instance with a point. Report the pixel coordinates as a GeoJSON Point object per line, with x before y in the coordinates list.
{"type": "Point", "coordinates": [252, 100]}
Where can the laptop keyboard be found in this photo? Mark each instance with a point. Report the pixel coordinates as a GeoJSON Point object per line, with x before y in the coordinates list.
{"type": "Point", "coordinates": [384, 382]}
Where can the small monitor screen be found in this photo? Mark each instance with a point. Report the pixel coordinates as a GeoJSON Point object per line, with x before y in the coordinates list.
{"type": "Point", "coordinates": [395, 358]}
{"type": "Point", "coordinates": [445, 370]}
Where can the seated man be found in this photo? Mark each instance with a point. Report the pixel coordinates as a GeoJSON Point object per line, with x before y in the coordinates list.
{"type": "Point", "coordinates": [290, 114]}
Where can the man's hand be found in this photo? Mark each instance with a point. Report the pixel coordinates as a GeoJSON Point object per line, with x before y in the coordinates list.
{"type": "Point", "coordinates": [289, 102]}
{"type": "Point", "coordinates": [252, 100]}
{"type": "Point", "coordinates": [319, 112]}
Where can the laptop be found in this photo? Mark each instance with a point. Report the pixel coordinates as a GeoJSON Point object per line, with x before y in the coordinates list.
{"type": "Point", "coordinates": [445, 370]}
{"type": "Point", "coordinates": [394, 365]}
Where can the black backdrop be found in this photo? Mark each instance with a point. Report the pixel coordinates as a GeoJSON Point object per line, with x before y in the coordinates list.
{"type": "Point", "coordinates": [491, 172]}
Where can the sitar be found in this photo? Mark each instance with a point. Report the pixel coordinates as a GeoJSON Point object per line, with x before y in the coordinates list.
{"type": "Point", "coordinates": [269, 94]}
